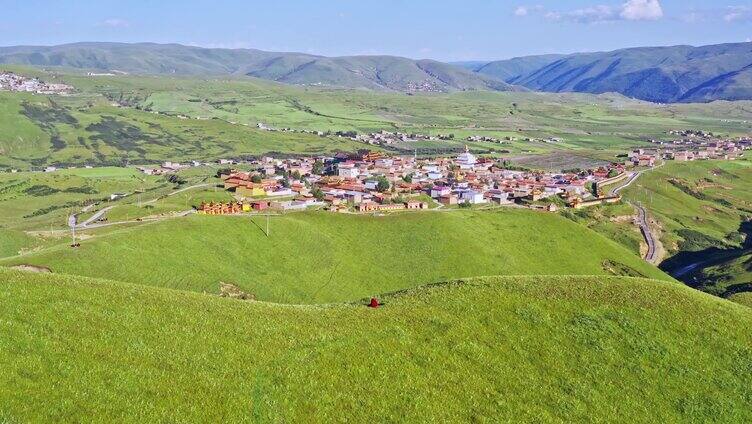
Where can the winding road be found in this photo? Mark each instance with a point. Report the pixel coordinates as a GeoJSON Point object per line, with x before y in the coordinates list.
{"type": "Point", "coordinates": [642, 222]}
{"type": "Point", "coordinates": [642, 216]}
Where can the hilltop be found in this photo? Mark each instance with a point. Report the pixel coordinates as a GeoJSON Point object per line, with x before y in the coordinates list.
{"type": "Point", "coordinates": [371, 72]}
{"type": "Point", "coordinates": [515, 348]}
{"type": "Point", "coordinates": [657, 74]}
{"type": "Point", "coordinates": [324, 257]}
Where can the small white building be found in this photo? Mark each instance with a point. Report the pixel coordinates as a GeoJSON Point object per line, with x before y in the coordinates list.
{"type": "Point", "coordinates": [348, 171]}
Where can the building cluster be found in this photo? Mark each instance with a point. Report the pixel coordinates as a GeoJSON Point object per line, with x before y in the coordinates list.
{"type": "Point", "coordinates": [382, 138]}
{"type": "Point", "coordinates": [487, 139]}
{"type": "Point", "coordinates": [370, 182]}
{"type": "Point", "coordinates": [691, 148]}
{"type": "Point", "coordinates": [14, 82]}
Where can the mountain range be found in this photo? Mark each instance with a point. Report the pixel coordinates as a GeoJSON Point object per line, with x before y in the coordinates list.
{"type": "Point", "coordinates": [369, 72]}
{"type": "Point", "coordinates": [656, 74]}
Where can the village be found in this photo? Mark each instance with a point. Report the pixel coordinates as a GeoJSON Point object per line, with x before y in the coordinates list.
{"type": "Point", "coordinates": [369, 182]}
{"type": "Point", "coordinates": [372, 181]}
{"type": "Point", "coordinates": [693, 145]}
{"type": "Point", "coordinates": [388, 138]}
{"type": "Point", "coordinates": [14, 82]}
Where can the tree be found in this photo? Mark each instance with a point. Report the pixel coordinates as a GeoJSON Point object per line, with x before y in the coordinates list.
{"type": "Point", "coordinates": [285, 182]}
{"type": "Point", "coordinates": [318, 168]}
{"type": "Point", "coordinates": [383, 184]}
{"type": "Point", "coordinates": [318, 194]}
{"type": "Point", "coordinates": [612, 173]}
{"type": "Point", "coordinates": [223, 171]}
{"type": "Point", "coordinates": [296, 175]}
{"type": "Point", "coordinates": [256, 178]}
{"type": "Point", "coordinates": [408, 178]}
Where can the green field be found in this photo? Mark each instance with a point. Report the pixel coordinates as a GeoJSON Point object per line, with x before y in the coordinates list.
{"type": "Point", "coordinates": [143, 119]}
{"type": "Point", "coordinates": [742, 298]}
{"type": "Point", "coordinates": [703, 208]}
{"type": "Point", "coordinates": [543, 349]}
{"type": "Point", "coordinates": [700, 204]}
{"type": "Point", "coordinates": [321, 257]}
{"type": "Point", "coordinates": [730, 278]}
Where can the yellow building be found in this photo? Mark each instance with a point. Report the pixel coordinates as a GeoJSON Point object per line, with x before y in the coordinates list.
{"type": "Point", "coordinates": [250, 192]}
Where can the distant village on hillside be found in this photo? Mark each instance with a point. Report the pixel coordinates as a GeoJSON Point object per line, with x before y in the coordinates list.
{"type": "Point", "coordinates": [14, 82]}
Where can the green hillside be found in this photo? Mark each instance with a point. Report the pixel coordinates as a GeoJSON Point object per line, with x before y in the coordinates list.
{"type": "Point", "coordinates": [498, 349]}
{"type": "Point", "coordinates": [658, 74]}
{"type": "Point", "coordinates": [371, 72]}
{"type": "Point", "coordinates": [110, 119]}
{"type": "Point", "coordinates": [743, 298]}
{"type": "Point", "coordinates": [40, 130]}
{"type": "Point", "coordinates": [700, 204]}
{"type": "Point", "coordinates": [730, 278]}
{"type": "Point", "coordinates": [322, 257]}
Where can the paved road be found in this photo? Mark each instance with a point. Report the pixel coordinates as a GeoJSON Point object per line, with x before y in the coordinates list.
{"type": "Point", "coordinates": [626, 184]}
{"type": "Point", "coordinates": [632, 178]}
{"type": "Point", "coordinates": [177, 192]}
{"type": "Point", "coordinates": [94, 217]}
{"type": "Point", "coordinates": [642, 222]}
{"type": "Point", "coordinates": [132, 221]}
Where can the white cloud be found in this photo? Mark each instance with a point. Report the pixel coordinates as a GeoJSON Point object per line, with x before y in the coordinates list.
{"type": "Point", "coordinates": [599, 13]}
{"type": "Point", "coordinates": [738, 13]}
{"type": "Point", "coordinates": [114, 23]}
{"type": "Point", "coordinates": [525, 10]}
{"type": "Point", "coordinates": [631, 10]}
{"type": "Point", "coordinates": [641, 10]}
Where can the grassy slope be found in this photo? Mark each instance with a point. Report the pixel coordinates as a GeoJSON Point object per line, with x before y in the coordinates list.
{"type": "Point", "coordinates": [717, 181]}
{"type": "Point", "coordinates": [40, 130]}
{"type": "Point", "coordinates": [730, 276]}
{"type": "Point", "coordinates": [520, 349]}
{"type": "Point", "coordinates": [321, 257]}
{"type": "Point", "coordinates": [596, 126]}
{"type": "Point", "coordinates": [742, 298]}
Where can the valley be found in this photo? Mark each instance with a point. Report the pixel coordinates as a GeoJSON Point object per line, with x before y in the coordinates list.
{"type": "Point", "coordinates": [211, 236]}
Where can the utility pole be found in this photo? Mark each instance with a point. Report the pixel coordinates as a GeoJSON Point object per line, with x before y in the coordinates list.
{"type": "Point", "coordinates": [72, 225]}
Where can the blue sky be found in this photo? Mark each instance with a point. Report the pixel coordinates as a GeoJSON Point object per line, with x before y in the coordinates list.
{"type": "Point", "coordinates": [443, 30]}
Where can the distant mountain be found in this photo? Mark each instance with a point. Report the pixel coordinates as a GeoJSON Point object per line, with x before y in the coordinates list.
{"type": "Point", "coordinates": [516, 68]}
{"type": "Point", "coordinates": [372, 72]}
{"type": "Point", "coordinates": [472, 65]}
{"type": "Point", "coordinates": [658, 74]}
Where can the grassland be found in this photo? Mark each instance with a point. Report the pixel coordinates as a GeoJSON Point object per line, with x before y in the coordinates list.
{"type": "Point", "coordinates": [141, 119]}
{"type": "Point", "coordinates": [703, 208]}
{"type": "Point", "coordinates": [539, 349]}
{"type": "Point", "coordinates": [700, 204]}
{"type": "Point", "coordinates": [729, 278]}
{"type": "Point", "coordinates": [88, 129]}
{"type": "Point", "coordinates": [320, 258]}
{"type": "Point", "coordinates": [742, 298]}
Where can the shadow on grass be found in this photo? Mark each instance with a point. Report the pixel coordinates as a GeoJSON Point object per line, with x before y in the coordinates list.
{"type": "Point", "coordinates": [688, 266]}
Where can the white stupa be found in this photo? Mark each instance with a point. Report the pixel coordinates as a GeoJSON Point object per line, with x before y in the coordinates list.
{"type": "Point", "coordinates": [466, 160]}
